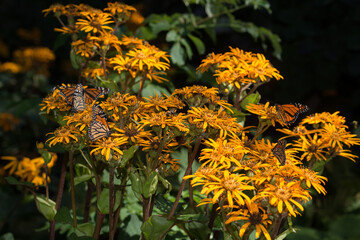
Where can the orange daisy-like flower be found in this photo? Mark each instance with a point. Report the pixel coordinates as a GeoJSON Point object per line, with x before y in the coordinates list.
{"type": "Point", "coordinates": [311, 179]}
{"type": "Point", "coordinates": [211, 61]}
{"type": "Point", "coordinates": [107, 40]}
{"type": "Point", "coordinates": [265, 112]}
{"type": "Point", "coordinates": [323, 118]}
{"type": "Point", "coordinates": [8, 121]}
{"type": "Point", "coordinates": [228, 186]}
{"type": "Point", "coordinates": [57, 8]}
{"type": "Point", "coordinates": [312, 146]}
{"type": "Point", "coordinates": [64, 135]}
{"type": "Point", "coordinates": [118, 9]}
{"type": "Point", "coordinates": [285, 194]}
{"type": "Point", "coordinates": [253, 216]}
{"type": "Point", "coordinates": [131, 41]}
{"type": "Point", "coordinates": [81, 120]}
{"type": "Point", "coordinates": [119, 105]}
{"type": "Point", "coordinates": [95, 22]}
{"type": "Point", "coordinates": [108, 148]}
{"type": "Point", "coordinates": [337, 136]}
{"type": "Point", "coordinates": [52, 102]}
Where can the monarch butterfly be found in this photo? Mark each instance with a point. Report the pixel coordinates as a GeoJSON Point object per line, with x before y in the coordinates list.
{"type": "Point", "coordinates": [99, 127]}
{"type": "Point", "coordinates": [288, 113]}
{"type": "Point", "coordinates": [77, 96]}
{"type": "Point", "coordinates": [279, 151]}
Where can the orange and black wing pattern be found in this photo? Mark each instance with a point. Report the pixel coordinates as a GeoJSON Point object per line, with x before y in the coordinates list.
{"type": "Point", "coordinates": [288, 113]}
{"type": "Point", "coordinates": [279, 151]}
{"type": "Point", "coordinates": [91, 94]}
{"type": "Point", "coordinates": [99, 127]}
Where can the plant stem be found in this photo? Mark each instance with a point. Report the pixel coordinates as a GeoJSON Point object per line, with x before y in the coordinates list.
{"type": "Point", "coordinates": [59, 194]}
{"type": "Point", "coordinates": [123, 188]}
{"type": "Point", "coordinates": [277, 224]}
{"type": "Point", "coordinates": [212, 219]}
{"type": "Point", "coordinates": [141, 86]}
{"type": "Point", "coordinates": [73, 204]}
{"type": "Point", "coordinates": [99, 215]}
{"type": "Point", "coordinates": [227, 11]}
{"type": "Point", "coordinates": [88, 201]}
{"type": "Point", "coordinates": [187, 172]}
{"type": "Point", "coordinates": [111, 202]}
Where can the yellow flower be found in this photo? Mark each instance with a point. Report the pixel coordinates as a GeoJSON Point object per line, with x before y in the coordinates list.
{"type": "Point", "coordinates": [108, 148]}
{"type": "Point", "coordinates": [323, 118]}
{"type": "Point", "coordinates": [311, 179]}
{"type": "Point", "coordinates": [207, 120]}
{"type": "Point", "coordinates": [82, 119]}
{"type": "Point", "coordinates": [30, 170]}
{"type": "Point", "coordinates": [222, 152]}
{"type": "Point", "coordinates": [197, 96]}
{"type": "Point", "coordinates": [52, 102]}
{"type": "Point", "coordinates": [265, 112]}
{"type": "Point", "coordinates": [119, 105]}
{"type": "Point", "coordinates": [156, 103]}
{"type": "Point", "coordinates": [131, 41]}
{"type": "Point", "coordinates": [8, 121]}
{"type": "Point", "coordinates": [211, 61]}
{"type": "Point", "coordinates": [237, 68]}
{"type": "Point", "coordinates": [283, 193]}
{"type": "Point", "coordinates": [312, 146]}
{"type": "Point", "coordinates": [337, 136]}
{"type": "Point", "coordinates": [119, 10]}
{"type": "Point", "coordinates": [163, 120]}
{"type": "Point", "coordinates": [132, 133]}
{"type": "Point", "coordinates": [228, 187]}
{"type": "Point", "coordinates": [64, 135]}
{"type": "Point", "coordinates": [107, 40]}
{"type": "Point", "coordinates": [57, 8]}
{"type": "Point", "coordinates": [10, 67]}
{"type": "Point", "coordinates": [93, 73]}
{"type": "Point", "coordinates": [95, 22]}
{"type": "Point", "coordinates": [253, 216]}
{"type": "Point", "coordinates": [85, 48]}
{"type": "Point", "coordinates": [148, 57]}
{"type": "Point", "coordinates": [12, 165]}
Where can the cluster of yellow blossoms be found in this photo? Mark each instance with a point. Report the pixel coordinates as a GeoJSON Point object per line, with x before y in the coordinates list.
{"type": "Point", "coordinates": [240, 174]}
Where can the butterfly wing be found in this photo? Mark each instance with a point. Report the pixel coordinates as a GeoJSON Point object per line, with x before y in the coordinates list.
{"type": "Point", "coordinates": [91, 94]}
{"type": "Point", "coordinates": [99, 127]}
{"type": "Point", "coordinates": [279, 151]}
{"type": "Point", "coordinates": [78, 103]}
{"type": "Point", "coordinates": [67, 93]}
{"type": "Point", "coordinates": [288, 113]}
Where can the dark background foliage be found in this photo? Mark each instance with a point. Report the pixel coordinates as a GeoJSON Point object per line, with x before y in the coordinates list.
{"type": "Point", "coordinates": [320, 63]}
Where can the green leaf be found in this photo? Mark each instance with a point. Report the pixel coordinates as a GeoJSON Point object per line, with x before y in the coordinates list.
{"type": "Point", "coordinates": [156, 227]}
{"type": "Point", "coordinates": [253, 98]}
{"type": "Point", "coordinates": [187, 46]}
{"type": "Point", "coordinates": [82, 178]}
{"type": "Point", "coordinates": [73, 236]}
{"type": "Point", "coordinates": [103, 202]}
{"type": "Point", "coordinates": [284, 234]}
{"type": "Point", "coordinates": [197, 230]}
{"type": "Point", "coordinates": [84, 229]}
{"type": "Point", "coordinates": [13, 181]}
{"type": "Point", "coordinates": [75, 59]}
{"type": "Point", "coordinates": [177, 54]}
{"type": "Point", "coordinates": [172, 36]}
{"type": "Point", "coordinates": [7, 236]}
{"type": "Point", "coordinates": [145, 33]}
{"type": "Point", "coordinates": [46, 207]}
{"type": "Point", "coordinates": [63, 216]}
{"type": "Point", "coordinates": [198, 43]}
{"type": "Point", "coordinates": [136, 182]}
{"type": "Point", "coordinates": [150, 89]}
{"type": "Point", "coordinates": [128, 154]}
{"type": "Point", "coordinates": [150, 185]}
{"type": "Point", "coordinates": [165, 183]}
